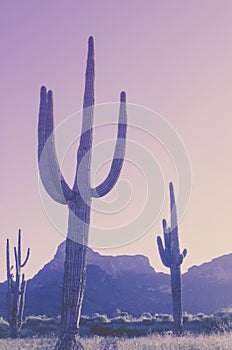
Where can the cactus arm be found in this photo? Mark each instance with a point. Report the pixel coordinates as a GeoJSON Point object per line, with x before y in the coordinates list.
{"type": "Point", "coordinates": [167, 236]}
{"type": "Point", "coordinates": [173, 212]}
{"type": "Point", "coordinates": [17, 268]}
{"type": "Point", "coordinates": [180, 260]}
{"type": "Point", "coordinates": [22, 300]}
{"type": "Point", "coordinates": [19, 252]}
{"type": "Point", "coordinates": [26, 259]}
{"type": "Point", "coordinates": [184, 253]}
{"type": "Point", "coordinates": [9, 282]}
{"type": "Point", "coordinates": [181, 257]}
{"type": "Point", "coordinates": [119, 153]}
{"type": "Point", "coordinates": [19, 248]}
{"type": "Point", "coordinates": [162, 252]}
{"type": "Point", "coordinates": [49, 169]}
{"type": "Point", "coordinates": [8, 259]}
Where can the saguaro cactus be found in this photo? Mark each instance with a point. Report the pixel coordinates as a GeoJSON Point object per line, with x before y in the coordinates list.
{"type": "Point", "coordinates": [16, 288]}
{"type": "Point", "coordinates": [78, 198]}
{"type": "Point", "coordinates": [171, 257]}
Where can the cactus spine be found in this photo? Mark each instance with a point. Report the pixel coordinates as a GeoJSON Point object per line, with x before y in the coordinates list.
{"type": "Point", "coordinates": [171, 257]}
{"type": "Point", "coordinates": [16, 288]}
{"type": "Point", "coordinates": [78, 198]}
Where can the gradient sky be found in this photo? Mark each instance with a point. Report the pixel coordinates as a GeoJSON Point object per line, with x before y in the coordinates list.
{"type": "Point", "coordinates": [174, 57]}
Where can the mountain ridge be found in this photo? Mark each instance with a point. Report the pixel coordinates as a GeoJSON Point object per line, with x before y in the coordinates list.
{"type": "Point", "coordinates": [129, 283]}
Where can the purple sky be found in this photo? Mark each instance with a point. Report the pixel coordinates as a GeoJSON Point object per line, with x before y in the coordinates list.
{"type": "Point", "coordinates": [172, 57]}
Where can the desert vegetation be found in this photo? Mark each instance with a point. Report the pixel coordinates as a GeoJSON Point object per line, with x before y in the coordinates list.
{"type": "Point", "coordinates": [16, 287]}
{"type": "Point", "coordinates": [125, 325]}
{"type": "Point", "coordinates": [167, 342]}
{"type": "Point", "coordinates": [172, 258]}
{"type": "Point", "coordinates": [202, 332]}
{"type": "Point", "coordinates": [78, 198]}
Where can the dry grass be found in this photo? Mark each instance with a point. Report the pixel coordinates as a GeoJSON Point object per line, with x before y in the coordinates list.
{"type": "Point", "coordinates": [154, 342]}
{"type": "Point", "coordinates": [212, 342]}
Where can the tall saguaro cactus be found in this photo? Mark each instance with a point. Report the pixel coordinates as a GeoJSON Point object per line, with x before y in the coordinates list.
{"type": "Point", "coordinates": [171, 257]}
{"type": "Point", "coordinates": [78, 198]}
{"type": "Point", "coordinates": [16, 288]}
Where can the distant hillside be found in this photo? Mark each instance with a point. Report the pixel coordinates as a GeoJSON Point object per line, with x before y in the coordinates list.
{"type": "Point", "coordinates": [208, 287]}
{"type": "Point", "coordinates": [130, 284]}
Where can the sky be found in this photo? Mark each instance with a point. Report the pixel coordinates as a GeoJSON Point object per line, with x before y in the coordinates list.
{"type": "Point", "coordinates": [172, 58]}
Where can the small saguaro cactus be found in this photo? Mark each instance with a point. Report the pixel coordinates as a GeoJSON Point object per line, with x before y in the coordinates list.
{"type": "Point", "coordinates": [78, 198]}
{"type": "Point", "coordinates": [16, 287]}
{"type": "Point", "coordinates": [172, 258]}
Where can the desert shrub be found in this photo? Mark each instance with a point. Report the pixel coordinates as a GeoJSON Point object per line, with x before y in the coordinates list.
{"type": "Point", "coordinates": [27, 333]}
{"type": "Point", "coordinates": [32, 321]}
{"type": "Point", "coordinates": [125, 314]}
{"type": "Point", "coordinates": [85, 320]}
{"type": "Point", "coordinates": [225, 315]}
{"type": "Point", "coordinates": [100, 330]}
{"type": "Point", "coordinates": [119, 320]}
{"type": "Point", "coordinates": [204, 324]}
{"type": "Point", "coordinates": [218, 324]}
{"type": "Point", "coordinates": [40, 325]}
{"type": "Point", "coordinates": [52, 320]}
{"type": "Point", "coordinates": [117, 313]}
{"type": "Point", "coordinates": [187, 317]}
{"type": "Point", "coordinates": [3, 321]}
{"type": "Point", "coordinates": [162, 327]}
{"type": "Point", "coordinates": [111, 330]}
{"type": "Point", "coordinates": [97, 318]}
{"type": "Point", "coordinates": [166, 318]}
{"type": "Point", "coordinates": [193, 325]}
{"type": "Point", "coordinates": [207, 321]}
{"type": "Point", "coordinates": [148, 321]}
{"type": "Point", "coordinates": [155, 316]}
{"type": "Point", "coordinates": [146, 315]}
{"type": "Point", "coordinates": [124, 325]}
{"type": "Point", "coordinates": [4, 330]}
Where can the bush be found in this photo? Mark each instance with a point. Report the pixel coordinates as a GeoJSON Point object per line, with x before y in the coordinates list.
{"type": "Point", "coordinates": [97, 318]}
{"type": "Point", "coordinates": [85, 320]}
{"type": "Point", "coordinates": [124, 325]}
{"type": "Point", "coordinates": [119, 319]}
{"type": "Point", "coordinates": [110, 330]}
{"type": "Point", "coordinates": [187, 317]}
{"type": "Point", "coordinates": [4, 330]}
{"type": "Point", "coordinates": [166, 318]}
{"type": "Point", "coordinates": [146, 316]}
{"type": "Point", "coordinates": [40, 325]}
{"type": "Point", "coordinates": [125, 314]}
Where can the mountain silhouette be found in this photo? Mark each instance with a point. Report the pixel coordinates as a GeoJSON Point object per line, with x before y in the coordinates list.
{"type": "Point", "coordinates": [128, 283]}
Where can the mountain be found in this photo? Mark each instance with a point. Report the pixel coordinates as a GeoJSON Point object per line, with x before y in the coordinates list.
{"type": "Point", "coordinates": [208, 287]}
{"type": "Point", "coordinates": [112, 282]}
{"type": "Point", "coordinates": [130, 284]}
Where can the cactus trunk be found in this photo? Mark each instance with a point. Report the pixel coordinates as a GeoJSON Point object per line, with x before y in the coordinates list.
{"type": "Point", "coordinates": [73, 293]}
{"type": "Point", "coordinates": [78, 198]}
{"type": "Point", "coordinates": [171, 257]}
{"type": "Point", "coordinates": [176, 300]}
